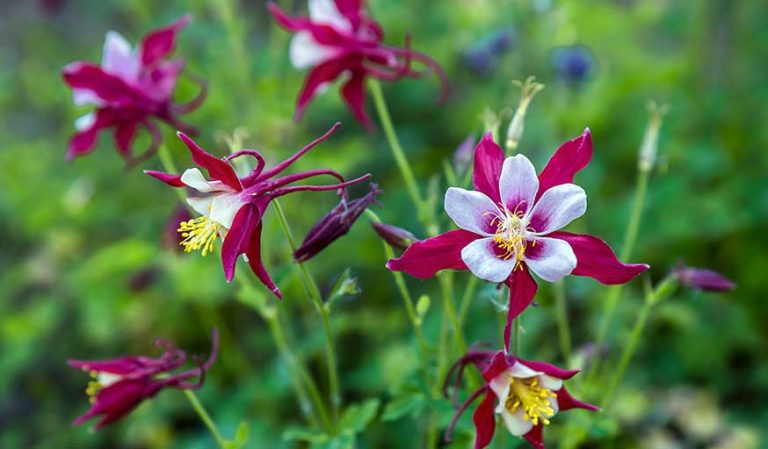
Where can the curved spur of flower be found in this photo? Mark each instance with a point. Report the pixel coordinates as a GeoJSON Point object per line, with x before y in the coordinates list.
{"type": "Point", "coordinates": [129, 89]}
{"type": "Point", "coordinates": [526, 394]}
{"type": "Point", "coordinates": [339, 40]}
{"type": "Point", "coordinates": [231, 207]}
{"type": "Point", "coordinates": [509, 226]}
{"type": "Point", "coordinates": [121, 384]}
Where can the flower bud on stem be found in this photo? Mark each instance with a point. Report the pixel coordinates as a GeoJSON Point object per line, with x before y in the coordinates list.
{"type": "Point", "coordinates": [646, 159]}
{"type": "Point", "coordinates": [528, 89]}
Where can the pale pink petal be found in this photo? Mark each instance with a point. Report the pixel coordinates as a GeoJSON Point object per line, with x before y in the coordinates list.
{"type": "Point", "coordinates": [518, 183]}
{"type": "Point", "coordinates": [119, 58]}
{"type": "Point", "coordinates": [551, 259]}
{"type": "Point", "coordinates": [471, 210]}
{"type": "Point", "coordinates": [481, 259]}
{"type": "Point", "coordinates": [557, 207]}
{"type": "Point", "coordinates": [305, 52]}
{"type": "Point", "coordinates": [325, 12]}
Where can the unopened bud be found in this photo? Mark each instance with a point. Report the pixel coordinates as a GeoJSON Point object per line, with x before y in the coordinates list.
{"type": "Point", "coordinates": [702, 279]}
{"type": "Point", "coordinates": [462, 157]}
{"type": "Point", "coordinates": [394, 236]}
{"type": "Point", "coordinates": [648, 150]}
{"type": "Point", "coordinates": [491, 122]}
{"type": "Point", "coordinates": [528, 90]}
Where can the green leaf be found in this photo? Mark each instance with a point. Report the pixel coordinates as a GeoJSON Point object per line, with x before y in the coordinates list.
{"type": "Point", "coordinates": [357, 416]}
{"type": "Point", "coordinates": [409, 403]}
{"type": "Point", "coordinates": [305, 434]}
{"type": "Point", "coordinates": [241, 435]}
{"type": "Point", "coordinates": [422, 307]}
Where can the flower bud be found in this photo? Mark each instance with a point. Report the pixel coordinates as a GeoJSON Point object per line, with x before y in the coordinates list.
{"type": "Point", "coordinates": [462, 156]}
{"type": "Point", "coordinates": [333, 225]}
{"type": "Point", "coordinates": [649, 148]}
{"type": "Point", "coordinates": [396, 237]}
{"type": "Point", "coordinates": [572, 64]}
{"type": "Point", "coordinates": [702, 279]}
{"type": "Point", "coordinates": [528, 89]}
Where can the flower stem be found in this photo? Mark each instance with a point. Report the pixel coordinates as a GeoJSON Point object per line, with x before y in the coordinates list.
{"type": "Point", "coordinates": [206, 418]}
{"type": "Point", "coordinates": [466, 298]}
{"type": "Point", "coordinates": [563, 329]}
{"type": "Point", "coordinates": [166, 160]}
{"type": "Point", "coordinates": [313, 293]}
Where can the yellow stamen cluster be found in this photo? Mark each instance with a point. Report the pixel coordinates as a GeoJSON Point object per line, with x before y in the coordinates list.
{"type": "Point", "coordinates": [510, 234]}
{"type": "Point", "coordinates": [199, 234]}
{"type": "Point", "coordinates": [533, 398]}
{"type": "Point", "coordinates": [94, 387]}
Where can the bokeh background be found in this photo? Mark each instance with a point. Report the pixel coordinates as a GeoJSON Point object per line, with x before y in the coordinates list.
{"type": "Point", "coordinates": [84, 272]}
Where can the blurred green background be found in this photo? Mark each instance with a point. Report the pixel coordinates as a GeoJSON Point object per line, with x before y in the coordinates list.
{"type": "Point", "coordinates": [84, 273]}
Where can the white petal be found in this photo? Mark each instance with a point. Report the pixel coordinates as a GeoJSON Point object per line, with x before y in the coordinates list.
{"type": "Point", "coordinates": [325, 12]}
{"type": "Point", "coordinates": [551, 259]}
{"type": "Point", "coordinates": [119, 58]}
{"type": "Point", "coordinates": [516, 422]}
{"type": "Point", "coordinates": [557, 207]}
{"type": "Point", "coordinates": [500, 387]}
{"type": "Point", "coordinates": [521, 371]}
{"type": "Point", "coordinates": [195, 179]}
{"type": "Point", "coordinates": [201, 205]}
{"type": "Point", "coordinates": [471, 210]}
{"type": "Point", "coordinates": [85, 121]}
{"type": "Point", "coordinates": [305, 52]}
{"type": "Point", "coordinates": [550, 383]}
{"type": "Point", "coordinates": [82, 97]}
{"type": "Point", "coordinates": [518, 183]}
{"type": "Point", "coordinates": [483, 262]}
{"type": "Point", "coordinates": [224, 208]}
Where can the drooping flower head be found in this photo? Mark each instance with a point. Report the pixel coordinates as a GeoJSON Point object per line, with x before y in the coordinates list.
{"type": "Point", "coordinates": [121, 384]}
{"type": "Point", "coordinates": [526, 394]}
{"type": "Point", "coordinates": [131, 88]}
{"type": "Point", "coordinates": [231, 207]}
{"type": "Point", "coordinates": [340, 40]}
{"type": "Point", "coordinates": [701, 279]}
{"type": "Point", "coordinates": [509, 226]}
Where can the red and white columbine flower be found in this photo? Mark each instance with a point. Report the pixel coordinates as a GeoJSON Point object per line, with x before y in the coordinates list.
{"type": "Point", "coordinates": [132, 86]}
{"type": "Point", "coordinates": [526, 394]}
{"type": "Point", "coordinates": [510, 226]}
{"type": "Point", "coordinates": [121, 384]}
{"type": "Point", "coordinates": [232, 208]}
{"type": "Point", "coordinates": [340, 40]}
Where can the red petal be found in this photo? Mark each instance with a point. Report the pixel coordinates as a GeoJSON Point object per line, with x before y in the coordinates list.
{"type": "Point", "coordinates": [485, 421]}
{"type": "Point", "coordinates": [238, 236]}
{"type": "Point", "coordinates": [522, 290]}
{"type": "Point", "coordinates": [489, 158]}
{"type": "Point", "coordinates": [254, 259]}
{"type": "Point", "coordinates": [498, 365]}
{"type": "Point", "coordinates": [571, 157]}
{"type": "Point", "coordinates": [426, 257]}
{"type": "Point", "coordinates": [323, 73]}
{"type": "Point", "coordinates": [171, 180]}
{"type": "Point", "coordinates": [550, 370]}
{"type": "Point", "coordinates": [597, 260]}
{"type": "Point", "coordinates": [160, 43]}
{"type": "Point", "coordinates": [217, 168]}
{"type": "Point", "coordinates": [84, 141]}
{"type": "Point", "coordinates": [566, 402]}
{"type": "Point", "coordinates": [124, 135]}
{"type": "Point", "coordinates": [109, 88]}
{"type": "Point", "coordinates": [353, 93]}
{"type": "Point", "coordinates": [536, 436]}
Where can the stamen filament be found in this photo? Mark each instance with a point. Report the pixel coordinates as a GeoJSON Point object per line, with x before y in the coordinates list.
{"type": "Point", "coordinates": [533, 398]}
{"type": "Point", "coordinates": [199, 234]}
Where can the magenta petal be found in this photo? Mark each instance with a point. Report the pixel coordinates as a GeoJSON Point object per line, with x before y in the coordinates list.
{"type": "Point", "coordinates": [489, 158]}
{"type": "Point", "coordinates": [84, 141]}
{"type": "Point", "coordinates": [597, 260]}
{"type": "Point", "coordinates": [236, 241]}
{"type": "Point", "coordinates": [426, 257]}
{"type": "Point", "coordinates": [566, 402]}
{"type": "Point", "coordinates": [550, 370]}
{"type": "Point", "coordinates": [536, 436]}
{"type": "Point", "coordinates": [322, 74]}
{"type": "Point", "coordinates": [287, 22]}
{"type": "Point", "coordinates": [160, 43]}
{"type": "Point", "coordinates": [217, 168]}
{"type": "Point", "coordinates": [110, 88]}
{"type": "Point", "coordinates": [171, 180]}
{"type": "Point", "coordinates": [122, 365]}
{"type": "Point", "coordinates": [522, 290]}
{"type": "Point", "coordinates": [257, 265]}
{"type": "Point", "coordinates": [569, 159]}
{"type": "Point", "coordinates": [353, 93]}
{"type": "Point", "coordinates": [498, 365]}
{"type": "Point", "coordinates": [485, 421]}
{"type": "Point", "coordinates": [124, 135]}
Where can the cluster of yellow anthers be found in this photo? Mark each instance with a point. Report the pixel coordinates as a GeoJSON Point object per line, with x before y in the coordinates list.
{"type": "Point", "coordinates": [99, 382]}
{"type": "Point", "coordinates": [199, 234]}
{"type": "Point", "coordinates": [533, 398]}
{"type": "Point", "coordinates": [510, 234]}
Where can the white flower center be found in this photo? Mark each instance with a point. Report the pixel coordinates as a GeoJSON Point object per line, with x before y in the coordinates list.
{"type": "Point", "coordinates": [534, 399]}
{"type": "Point", "coordinates": [512, 234]}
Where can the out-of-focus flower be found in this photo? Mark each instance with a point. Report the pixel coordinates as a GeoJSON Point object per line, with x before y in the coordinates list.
{"type": "Point", "coordinates": [528, 90]}
{"type": "Point", "coordinates": [462, 156]}
{"type": "Point", "coordinates": [526, 394]}
{"type": "Point", "coordinates": [130, 89]}
{"type": "Point", "coordinates": [396, 237]}
{"type": "Point", "coordinates": [702, 279]}
{"type": "Point", "coordinates": [337, 222]}
{"type": "Point", "coordinates": [572, 64]}
{"type": "Point", "coordinates": [231, 207]}
{"type": "Point", "coordinates": [121, 384]}
{"type": "Point", "coordinates": [483, 56]}
{"type": "Point", "coordinates": [340, 40]}
{"type": "Point", "coordinates": [510, 226]}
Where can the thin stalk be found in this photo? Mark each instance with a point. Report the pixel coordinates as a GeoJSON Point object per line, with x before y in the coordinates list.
{"type": "Point", "coordinates": [563, 328]}
{"type": "Point", "coordinates": [628, 352]}
{"type": "Point", "coordinates": [450, 310]}
{"type": "Point", "coordinates": [313, 292]}
{"type": "Point", "coordinates": [466, 298]}
{"type": "Point", "coordinates": [206, 418]}
{"type": "Point", "coordinates": [166, 160]}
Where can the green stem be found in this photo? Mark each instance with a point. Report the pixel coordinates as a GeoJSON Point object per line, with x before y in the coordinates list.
{"type": "Point", "coordinates": [466, 298]}
{"type": "Point", "coordinates": [394, 145]}
{"type": "Point", "coordinates": [563, 328]}
{"type": "Point", "coordinates": [313, 293]}
{"type": "Point", "coordinates": [206, 418]}
{"type": "Point", "coordinates": [450, 310]}
{"type": "Point", "coordinates": [166, 160]}
{"type": "Point", "coordinates": [628, 352]}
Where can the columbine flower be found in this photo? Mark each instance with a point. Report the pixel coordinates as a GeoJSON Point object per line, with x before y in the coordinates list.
{"type": "Point", "coordinates": [526, 394]}
{"type": "Point", "coordinates": [337, 222]}
{"type": "Point", "coordinates": [231, 207]}
{"type": "Point", "coordinates": [121, 384]}
{"type": "Point", "coordinates": [511, 223]}
{"type": "Point", "coordinates": [340, 40]}
{"type": "Point", "coordinates": [131, 87]}
{"type": "Point", "coordinates": [702, 279]}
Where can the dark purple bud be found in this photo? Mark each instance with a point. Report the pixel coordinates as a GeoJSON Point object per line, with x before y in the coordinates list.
{"type": "Point", "coordinates": [483, 55]}
{"type": "Point", "coordinates": [462, 157]}
{"type": "Point", "coordinates": [333, 225]}
{"type": "Point", "coordinates": [572, 64]}
{"type": "Point", "coordinates": [141, 280]}
{"type": "Point", "coordinates": [396, 237]}
{"type": "Point", "coordinates": [702, 279]}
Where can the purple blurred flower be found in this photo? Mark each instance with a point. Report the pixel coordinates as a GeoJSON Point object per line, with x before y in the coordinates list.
{"type": "Point", "coordinates": [573, 64]}
{"type": "Point", "coordinates": [396, 237]}
{"type": "Point", "coordinates": [702, 279]}
{"type": "Point", "coordinates": [483, 56]}
{"type": "Point", "coordinates": [333, 225]}
{"type": "Point", "coordinates": [462, 156]}
{"type": "Point", "coordinates": [121, 384]}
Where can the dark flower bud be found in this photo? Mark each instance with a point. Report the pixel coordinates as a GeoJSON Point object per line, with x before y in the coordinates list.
{"type": "Point", "coordinates": [462, 156]}
{"type": "Point", "coordinates": [573, 64]}
{"type": "Point", "coordinates": [702, 279]}
{"type": "Point", "coordinates": [482, 56]}
{"type": "Point", "coordinates": [333, 225]}
{"type": "Point", "coordinates": [396, 237]}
